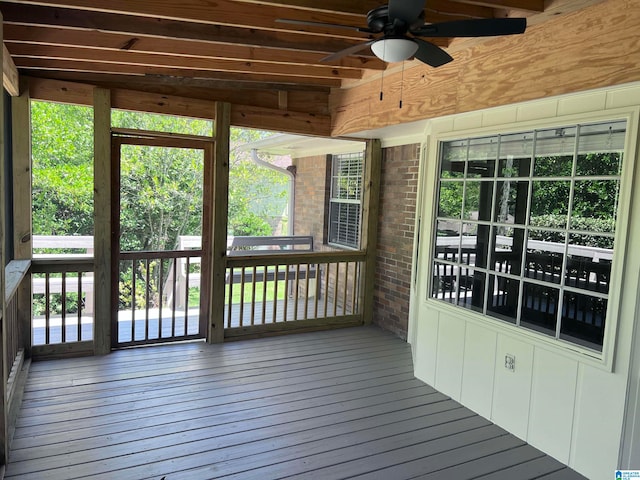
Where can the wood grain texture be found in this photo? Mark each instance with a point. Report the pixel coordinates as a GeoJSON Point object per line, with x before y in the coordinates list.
{"type": "Point", "coordinates": [369, 232]}
{"type": "Point", "coordinates": [592, 48]}
{"type": "Point", "coordinates": [22, 243]}
{"type": "Point", "coordinates": [102, 220]}
{"type": "Point", "coordinates": [10, 80]}
{"type": "Point", "coordinates": [218, 234]}
{"type": "Point", "coordinates": [333, 404]}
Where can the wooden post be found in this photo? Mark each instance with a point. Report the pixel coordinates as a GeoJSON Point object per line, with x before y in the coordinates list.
{"type": "Point", "coordinates": [4, 437]}
{"type": "Point", "coordinates": [369, 233]}
{"type": "Point", "coordinates": [215, 333]}
{"type": "Point", "coordinates": [102, 220]}
{"type": "Point", "coordinates": [22, 241]}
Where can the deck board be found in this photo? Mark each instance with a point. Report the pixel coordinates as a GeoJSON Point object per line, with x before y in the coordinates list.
{"type": "Point", "coordinates": [333, 404]}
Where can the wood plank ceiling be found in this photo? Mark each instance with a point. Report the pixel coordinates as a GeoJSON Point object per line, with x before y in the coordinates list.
{"type": "Point", "coordinates": [230, 50]}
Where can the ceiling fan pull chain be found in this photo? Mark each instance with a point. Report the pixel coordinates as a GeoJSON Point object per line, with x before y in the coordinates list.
{"type": "Point", "coordinates": [401, 84]}
{"type": "Point", "coordinates": [382, 79]}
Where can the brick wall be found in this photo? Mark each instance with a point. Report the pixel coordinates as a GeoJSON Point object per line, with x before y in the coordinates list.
{"type": "Point", "coordinates": [312, 197]}
{"type": "Point", "coordinates": [396, 226]}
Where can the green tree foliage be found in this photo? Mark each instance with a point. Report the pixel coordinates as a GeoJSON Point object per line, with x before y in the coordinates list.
{"type": "Point", "coordinates": [62, 145]}
{"type": "Point", "coordinates": [161, 189]}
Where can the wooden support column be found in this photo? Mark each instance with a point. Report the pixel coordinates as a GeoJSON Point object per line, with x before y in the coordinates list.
{"type": "Point", "coordinates": [369, 233]}
{"type": "Point", "coordinates": [22, 242]}
{"type": "Point", "coordinates": [4, 437]}
{"type": "Point", "coordinates": [102, 220]}
{"type": "Point", "coordinates": [215, 333]}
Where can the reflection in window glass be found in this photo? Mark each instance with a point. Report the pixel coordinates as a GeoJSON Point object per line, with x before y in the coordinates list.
{"type": "Point", "coordinates": [544, 255]}
{"type": "Point", "coordinates": [503, 298]}
{"type": "Point", "coordinates": [506, 256]}
{"type": "Point", "coordinates": [583, 319]}
{"type": "Point", "coordinates": [594, 200]}
{"type": "Point", "coordinates": [482, 157]}
{"type": "Point", "coordinates": [514, 167]}
{"type": "Point", "coordinates": [600, 149]}
{"type": "Point", "coordinates": [454, 156]}
{"type": "Point", "coordinates": [471, 289]}
{"type": "Point", "coordinates": [444, 282]}
{"type": "Point", "coordinates": [550, 197]}
{"type": "Point", "coordinates": [511, 201]}
{"type": "Point", "coordinates": [450, 199]}
{"type": "Point", "coordinates": [475, 244]}
{"type": "Point", "coordinates": [555, 149]}
{"type": "Point", "coordinates": [532, 225]}
{"type": "Point", "coordinates": [540, 307]}
{"type": "Point", "coordinates": [477, 200]}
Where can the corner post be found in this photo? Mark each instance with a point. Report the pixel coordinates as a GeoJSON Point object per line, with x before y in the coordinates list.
{"type": "Point", "coordinates": [22, 233]}
{"type": "Point", "coordinates": [102, 202]}
{"type": "Point", "coordinates": [369, 233]}
{"type": "Point", "coordinates": [215, 332]}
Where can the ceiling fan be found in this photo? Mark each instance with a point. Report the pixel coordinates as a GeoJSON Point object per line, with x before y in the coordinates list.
{"type": "Point", "coordinates": [401, 24]}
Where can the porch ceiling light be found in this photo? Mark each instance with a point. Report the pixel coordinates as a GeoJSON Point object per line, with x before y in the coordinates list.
{"type": "Point", "coordinates": [394, 49]}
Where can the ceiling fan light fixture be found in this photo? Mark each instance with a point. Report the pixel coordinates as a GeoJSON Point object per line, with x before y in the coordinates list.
{"type": "Point", "coordinates": [394, 49]}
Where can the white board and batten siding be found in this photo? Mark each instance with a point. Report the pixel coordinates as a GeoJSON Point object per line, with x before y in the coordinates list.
{"type": "Point", "coordinates": [575, 406]}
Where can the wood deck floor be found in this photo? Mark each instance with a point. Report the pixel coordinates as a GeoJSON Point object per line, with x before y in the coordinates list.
{"type": "Point", "coordinates": [326, 405]}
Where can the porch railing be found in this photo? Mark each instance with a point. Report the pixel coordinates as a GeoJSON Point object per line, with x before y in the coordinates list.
{"type": "Point", "coordinates": [291, 290]}
{"type": "Point", "coordinates": [62, 289]}
{"type": "Point", "coordinates": [268, 289]}
{"type": "Point", "coordinates": [151, 305]}
{"type": "Point", "coordinates": [16, 276]}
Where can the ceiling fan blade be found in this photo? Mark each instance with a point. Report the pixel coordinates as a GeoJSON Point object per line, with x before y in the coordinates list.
{"type": "Point", "coordinates": [481, 27]}
{"type": "Point", "coordinates": [347, 51]}
{"type": "Point", "coordinates": [406, 10]}
{"type": "Point", "coordinates": [431, 54]}
{"type": "Point", "coordinates": [321, 24]}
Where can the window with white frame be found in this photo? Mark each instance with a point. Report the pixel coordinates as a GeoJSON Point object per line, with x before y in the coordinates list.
{"type": "Point", "coordinates": [525, 227]}
{"type": "Point", "coordinates": [345, 200]}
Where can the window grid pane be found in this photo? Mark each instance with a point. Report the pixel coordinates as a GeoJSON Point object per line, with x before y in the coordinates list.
{"type": "Point", "coordinates": [538, 212]}
{"type": "Point", "coordinates": [345, 202]}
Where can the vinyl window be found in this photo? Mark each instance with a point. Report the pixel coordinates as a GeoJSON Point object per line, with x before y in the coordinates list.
{"type": "Point", "coordinates": [525, 227]}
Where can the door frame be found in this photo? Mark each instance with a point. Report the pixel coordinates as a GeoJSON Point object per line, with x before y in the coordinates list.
{"type": "Point", "coordinates": [121, 137]}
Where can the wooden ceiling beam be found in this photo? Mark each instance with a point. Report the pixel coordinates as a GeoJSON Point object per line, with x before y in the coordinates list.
{"type": "Point", "coordinates": [126, 99]}
{"type": "Point", "coordinates": [142, 70]}
{"type": "Point", "coordinates": [220, 12]}
{"type": "Point", "coordinates": [305, 101]}
{"type": "Point", "coordinates": [173, 82]}
{"type": "Point", "coordinates": [10, 80]}
{"type": "Point", "coordinates": [14, 13]}
{"type": "Point", "coordinates": [128, 57]}
{"type": "Point", "coordinates": [44, 35]}
{"type": "Point", "coordinates": [533, 6]}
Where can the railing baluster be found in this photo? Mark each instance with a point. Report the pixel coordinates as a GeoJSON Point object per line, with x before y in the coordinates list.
{"type": "Point", "coordinates": [230, 298]}
{"type": "Point", "coordinates": [146, 298]}
{"type": "Point", "coordinates": [264, 294]}
{"type": "Point", "coordinates": [241, 319]}
{"type": "Point", "coordinates": [79, 326]}
{"type": "Point", "coordinates": [306, 292]}
{"type": "Point", "coordinates": [133, 299]}
{"type": "Point", "coordinates": [253, 294]}
{"type": "Point", "coordinates": [296, 288]}
{"type": "Point", "coordinates": [186, 300]}
{"type": "Point", "coordinates": [276, 279]}
{"type": "Point", "coordinates": [344, 289]}
{"type": "Point", "coordinates": [47, 306]}
{"type": "Point", "coordinates": [63, 306]}
{"type": "Point", "coordinates": [160, 293]}
{"type": "Point", "coordinates": [355, 287]}
{"type": "Point", "coordinates": [286, 293]}
{"type": "Point", "coordinates": [326, 290]}
{"type": "Point", "coordinates": [174, 297]}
